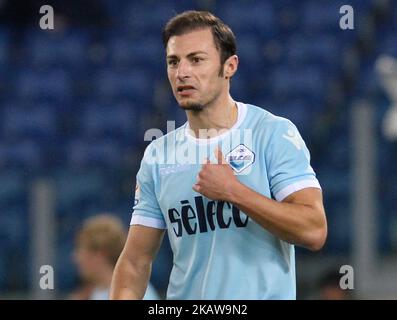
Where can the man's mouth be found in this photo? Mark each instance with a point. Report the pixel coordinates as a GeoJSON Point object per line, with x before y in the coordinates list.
{"type": "Point", "coordinates": [185, 89]}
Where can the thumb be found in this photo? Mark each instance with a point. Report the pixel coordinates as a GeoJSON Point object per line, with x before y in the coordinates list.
{"type": "Point", "coordinates": [219, 156]}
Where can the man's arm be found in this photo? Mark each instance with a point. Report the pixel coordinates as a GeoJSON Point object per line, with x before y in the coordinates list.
{"type": "Point", "coordinates": [299, 219]}
{"type": "Point", "coordinates": [132, 272]}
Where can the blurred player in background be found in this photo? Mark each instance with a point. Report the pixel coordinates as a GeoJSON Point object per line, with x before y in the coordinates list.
{"type": "Point", "coordinates": [330, 289]}
{"type": "Point", "coordinates": [98, 245]}
{"type": "Point", "coordinates": [233, 219]}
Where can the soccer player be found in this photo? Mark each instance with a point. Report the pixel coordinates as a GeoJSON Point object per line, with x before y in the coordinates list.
{"type": "Point", "coordinates": [232, 219]}
{"type": "Point", "coordinates": [98, 245]}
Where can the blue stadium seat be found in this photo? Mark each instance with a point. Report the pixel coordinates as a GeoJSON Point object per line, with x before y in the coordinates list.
{"type": "Point", "coordinates": [135, 84]}
{"type": "Point", "coordinates": [86, 153]}
{"type": "Point", "coordinates": [121, 51]}
{"type": "Point", "coordinates": [288, 15]}
{"type": "Point", "coordinates": [113, 8]}
{"type": "Point", "coordinates": [307, 81]}
{"type": "Point", "coordinates": [51, 49]}
{"type": "Point", "coordinates": [12, 188]}
{"type": "Point", "coordinates": [326, 53]}
{"type": "Point", "coordinates": [75, 188]}
{"type": "Point", "coordinates": [13, 228]}
{"type": "Point", "coordinates": [145, 51]}
{"type": "Point", "coordinates": [324, 17]}
{"type": "Point", "coordinates": [55, 84]}
{"type": "Point", "coordinates": [20, 121]}
{"type": "Point", "coordinates": [251, 51]}
{"type": "Point", "coordinates": [136, 17]}
{"type": "Point", "coordinates": [26, 154]}
{"type": "Point", "coordinates": [321, 16]}
{"type": "Point", "coordinates": [118, 121]}
{"type": "Point", "coordinates": [255, 17]}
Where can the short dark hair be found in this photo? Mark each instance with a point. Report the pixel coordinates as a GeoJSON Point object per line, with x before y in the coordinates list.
{"type": "Point", "coordinates": [225, 41]}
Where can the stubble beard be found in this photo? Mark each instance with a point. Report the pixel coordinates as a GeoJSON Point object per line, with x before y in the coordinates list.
{"type": "Point", "coordinates": [198, 106]}
{"type": "Point", "coordinates": [192, 106]}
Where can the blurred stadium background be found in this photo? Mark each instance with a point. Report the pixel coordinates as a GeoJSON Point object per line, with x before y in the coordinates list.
{"type": "Point", "coordinates": [75, 103]}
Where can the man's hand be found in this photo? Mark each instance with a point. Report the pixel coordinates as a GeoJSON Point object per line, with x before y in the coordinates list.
{"type": "Point", "coordinates": [216, 180]}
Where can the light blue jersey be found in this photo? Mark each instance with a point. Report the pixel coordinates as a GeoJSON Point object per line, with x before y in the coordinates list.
{"type": "Point", "coordinates": [219, 252]}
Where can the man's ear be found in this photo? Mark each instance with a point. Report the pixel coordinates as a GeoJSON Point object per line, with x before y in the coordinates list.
{"type": "Point", "coordinates": [230, 66]}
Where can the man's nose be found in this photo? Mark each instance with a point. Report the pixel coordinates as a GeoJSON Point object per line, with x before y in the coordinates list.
{"type": "Point", "coordinates": [183, 71]}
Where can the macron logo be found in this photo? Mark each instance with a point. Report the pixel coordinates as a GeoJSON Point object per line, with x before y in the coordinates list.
{"type": "Point", "coordinates": [293, 137]}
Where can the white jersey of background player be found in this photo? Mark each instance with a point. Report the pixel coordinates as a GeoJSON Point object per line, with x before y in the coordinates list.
{"type": "Point", "coordinates": [232, 219]}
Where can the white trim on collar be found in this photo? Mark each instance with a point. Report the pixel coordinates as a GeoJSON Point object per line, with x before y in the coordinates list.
{"type": "Point", "coordinates": [241, 110]}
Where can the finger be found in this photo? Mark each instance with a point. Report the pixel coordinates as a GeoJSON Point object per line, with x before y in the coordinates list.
{"type": "Point", "coordinates": [205, 161]}
{"type": "Point", "coordinates": [219, 156]}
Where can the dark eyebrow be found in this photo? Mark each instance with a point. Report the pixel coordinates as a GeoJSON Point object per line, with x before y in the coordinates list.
{"type": "Point", "coordinates": [189, 55]}
{"type": "Point", "coordinates": [173, 56]}
{"type": "Point", "coordinates": [196, 52]}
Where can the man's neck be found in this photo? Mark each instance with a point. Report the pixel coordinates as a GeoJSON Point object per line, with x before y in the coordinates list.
{"type": "Point", "coordinates": [214, 119]}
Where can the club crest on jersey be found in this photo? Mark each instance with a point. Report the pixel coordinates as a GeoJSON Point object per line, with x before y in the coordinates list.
{"type": "Point", "coordinates": [240, 158]}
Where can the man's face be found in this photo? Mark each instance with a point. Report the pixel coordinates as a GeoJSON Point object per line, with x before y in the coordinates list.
{"type": "Point", "coordinates": [193, 67]}
{"type": "Point", "coordinates": [87, 262]}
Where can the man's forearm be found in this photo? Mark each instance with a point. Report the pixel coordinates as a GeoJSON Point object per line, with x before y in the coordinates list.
{"type": "Point", "coordinates": [129, 281]}
{"type": "Point", "coordinates": [295, 223]}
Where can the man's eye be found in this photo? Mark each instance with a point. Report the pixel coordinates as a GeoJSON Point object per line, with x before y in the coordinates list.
{"type": "Point", "coordinates": [197, 59]}
{"type": "Point", "coordinates": [172, 62]}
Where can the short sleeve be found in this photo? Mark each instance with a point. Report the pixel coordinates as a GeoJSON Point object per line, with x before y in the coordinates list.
{"type": "Point", "coordinates": [288, 163]}
{"type": "Point", "coordinates": [146, 210]}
